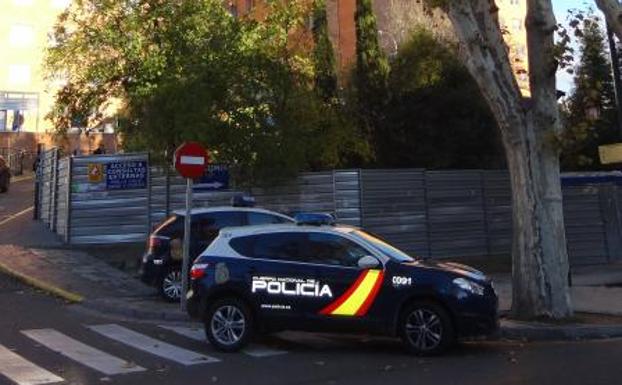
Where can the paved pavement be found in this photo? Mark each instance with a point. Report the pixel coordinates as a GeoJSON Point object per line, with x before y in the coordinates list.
{"type": "Point", "coordinates": [45, 341]}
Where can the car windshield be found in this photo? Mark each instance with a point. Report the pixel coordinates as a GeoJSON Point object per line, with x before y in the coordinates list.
{"type": "Point", "coordinates": [390, 251]}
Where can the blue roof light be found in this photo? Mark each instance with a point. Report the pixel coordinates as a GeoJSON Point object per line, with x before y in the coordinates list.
{"type": "Point", "coordinates": [314, 219]}
{"type": "Point", "coordinates": [243, 201]}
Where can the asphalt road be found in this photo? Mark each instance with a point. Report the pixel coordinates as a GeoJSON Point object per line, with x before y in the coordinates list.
{"type": "Point", "coordinates": [16, 224]}
{"type": "Point", "coordinates": [52, 341]}
{"type": "Point", "coordinates": [18, 198]}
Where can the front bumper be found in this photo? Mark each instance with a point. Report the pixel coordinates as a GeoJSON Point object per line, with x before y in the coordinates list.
{"type": "Point", "coordinates": [477, 315]}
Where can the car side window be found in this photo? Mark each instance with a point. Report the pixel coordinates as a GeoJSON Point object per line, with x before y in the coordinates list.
{"type": "Point", "coordinates": [332, 249]}
{"type": "Point", "coordinates": [208, 225]}
{"type": "Point", "coordinates": [279, 246]}
{"type": "Point", "coordinates": [275, 246]}
{"type": "Point", "coordinates": [264, 219]}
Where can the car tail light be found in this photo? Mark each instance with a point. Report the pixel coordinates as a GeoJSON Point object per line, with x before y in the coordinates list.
{"type": "Point", "coordinates": [155, 242]}
{"type": "Point", "coordinates": [197, 271]}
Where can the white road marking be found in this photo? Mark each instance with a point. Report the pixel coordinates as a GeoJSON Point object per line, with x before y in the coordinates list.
{"type": "Point", "coordinates": [22, 371]}
{"type": "Point", "coordinates": [81, 353]}
{"type": "Point", "coordinates": [197, 334]}
{"type": "Point", "coordinates": [16, 215]}
{"type": "Point", "coordinates": [152, 345]}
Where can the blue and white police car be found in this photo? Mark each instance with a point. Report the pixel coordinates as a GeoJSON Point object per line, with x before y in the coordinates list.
{"type": "Point", "coordinates": [314, 276]}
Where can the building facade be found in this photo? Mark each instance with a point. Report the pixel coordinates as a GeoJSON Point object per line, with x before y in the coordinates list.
{"type": "Point", "coordinates": [512, 15]}
{"type": "Point", "coordinates": [25, 96]}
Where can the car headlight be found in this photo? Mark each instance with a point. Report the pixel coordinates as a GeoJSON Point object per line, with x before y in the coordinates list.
{"type": "Point", "coordinates": [469, 286]}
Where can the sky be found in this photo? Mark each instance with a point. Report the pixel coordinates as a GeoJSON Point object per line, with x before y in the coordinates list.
{"type": "Point", "coordinates": [561, 7]}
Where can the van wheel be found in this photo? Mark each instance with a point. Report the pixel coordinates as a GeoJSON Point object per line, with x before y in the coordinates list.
{"type": "Point", "coordinates": [170, 285]}
{"type": "Point", "coordinates": [228, 324]}
{"type": "Point", "coordinates": [426, 328]}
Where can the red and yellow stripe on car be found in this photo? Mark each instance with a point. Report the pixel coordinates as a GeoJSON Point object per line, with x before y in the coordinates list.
{"type": "Point", "coordinates": [359, 297]}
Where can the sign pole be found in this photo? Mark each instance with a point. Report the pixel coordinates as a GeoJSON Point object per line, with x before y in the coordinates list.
{"type": "Point", "coordinates": [186, 247]}
{"type": "Point", "coordinates": [190, 161]}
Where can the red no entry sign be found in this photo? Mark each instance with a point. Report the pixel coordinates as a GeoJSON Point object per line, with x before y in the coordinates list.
{"type": "Point", "coordinates": [191, 160]}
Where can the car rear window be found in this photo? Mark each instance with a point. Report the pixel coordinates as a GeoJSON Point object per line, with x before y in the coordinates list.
{"type": "Point", "coordinates": [264, 219]}
{"type": "Point", "coordinates": [172, 227]}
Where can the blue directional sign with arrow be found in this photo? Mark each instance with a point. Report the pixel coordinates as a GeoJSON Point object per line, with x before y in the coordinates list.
{"type": "Point", "coordinates": [216, 178]}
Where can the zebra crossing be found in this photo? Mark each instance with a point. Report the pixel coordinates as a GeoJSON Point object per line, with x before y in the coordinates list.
{"type": "Point", "coordinates": [19, 370]}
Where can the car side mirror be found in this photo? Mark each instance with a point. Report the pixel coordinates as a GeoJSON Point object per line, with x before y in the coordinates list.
{"type": "Point", "coordinates": [368, 262]}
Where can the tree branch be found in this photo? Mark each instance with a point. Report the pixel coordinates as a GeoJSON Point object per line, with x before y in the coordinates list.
{"type": "Point", "coordinates": [476, 25]}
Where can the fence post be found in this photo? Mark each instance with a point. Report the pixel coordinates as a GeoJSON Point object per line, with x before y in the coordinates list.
{"type": "Point", "coordinates": [485, 212]}
{"type": "Point", "coordinates": [361, 197]}
{"type": "Point", "coordinates": [54, 202]}
{"type": "Point", "coordinates": [428, 238]}
{"type": "Point", "coordinates": [68, 199]}
{"type": "Point", "coordinates": [610, 209]}
{"type": "Point", "coordinates": [149, 184]}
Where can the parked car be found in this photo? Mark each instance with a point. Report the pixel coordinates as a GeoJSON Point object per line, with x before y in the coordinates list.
{"type": "Point", "coordinates": [160, 266]}
{"type": "Point", "coordinates": [5, 175]}
{"type": "Point", "coordinates": [338, 278]}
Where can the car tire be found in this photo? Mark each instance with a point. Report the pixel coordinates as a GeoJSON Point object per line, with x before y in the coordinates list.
{"type": "Point", "coordinates": [237, 333]}
{"type": "Point", "coordinates": [170, 284]}
{"type": "Point", "coordinates": [426, 328]}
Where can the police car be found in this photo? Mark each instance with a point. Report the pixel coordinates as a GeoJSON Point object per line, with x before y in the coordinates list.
{"type": "Point", "coordinates": [317, 277]}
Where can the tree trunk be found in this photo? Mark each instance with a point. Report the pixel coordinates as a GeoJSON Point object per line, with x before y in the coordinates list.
{"type": "Point", "coordinates": [539, 257]}
{"type": "Point", "coordinates": [613, 13]}
{"type": "Point", "coordinates": [539, 254]}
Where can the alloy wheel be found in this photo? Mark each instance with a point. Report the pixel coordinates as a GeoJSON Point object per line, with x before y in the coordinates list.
{"type": "Point", "coordinates": [171, 285]}
{"type": "Point", "coordinates": [424, 329]}
{"type": "Point", "coordinates": [228, 325]}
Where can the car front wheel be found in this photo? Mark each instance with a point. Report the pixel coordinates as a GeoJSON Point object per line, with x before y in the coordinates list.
{"type": "Point", "coordinates": [228, 324]}
{"type": "Point", "coordinates": [426, 328]}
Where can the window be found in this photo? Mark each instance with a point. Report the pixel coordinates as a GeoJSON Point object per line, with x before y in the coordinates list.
{"type": "Point", "coordinates": [517, 24]}
{"type": "Point", "coordinates": [207, 226]}
{"type": "Point", "coordinates": [60, 4]}
{"type": "Point", "coordinates": [249, 5]}
{"type": "Point", "coordinates": [19, 74]}
{"type": "Point", "coordinates": [276, 246]}
{"type": "Point", "coordinates": [514, 2]}
{"type": "Point", "coordinates": [21, 35]}
{"type": "Point", "coordinates": [264, 219]}
{"type": "Point", "coordinates": [331, 249]}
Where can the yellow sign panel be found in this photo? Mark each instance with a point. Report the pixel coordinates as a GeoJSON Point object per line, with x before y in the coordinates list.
{"type": "Point", "coordinates": [610, 153]}
{"type": "Point", "coordinates": [96, 172]}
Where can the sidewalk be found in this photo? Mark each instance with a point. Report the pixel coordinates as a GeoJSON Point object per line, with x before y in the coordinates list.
{"type": "Point", "coordinates": [80, 278]}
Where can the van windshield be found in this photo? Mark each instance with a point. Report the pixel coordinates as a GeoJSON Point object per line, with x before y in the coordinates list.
{"type": "Point", "coordinates": [382, 246]}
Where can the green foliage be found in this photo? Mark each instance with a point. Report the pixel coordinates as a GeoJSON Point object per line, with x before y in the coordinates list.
{"type": "Point", "coordinates": [323, 53]}
{"type": "Point", "coordinates": [436, 117]}
{"type": "Point", "coordinates": [371, 72]}
{"type": "Point", "coordinates": [593, 93]}
{"type": "Point", "coordinates": [188, 70]}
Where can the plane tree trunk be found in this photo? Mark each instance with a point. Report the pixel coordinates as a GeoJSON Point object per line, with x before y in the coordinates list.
{"type": "Point", "coordinates": [528, 126]}
{"type": "Point", "coordinates": [613, 13]}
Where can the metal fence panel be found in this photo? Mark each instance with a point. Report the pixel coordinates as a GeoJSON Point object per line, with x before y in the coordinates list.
{"type": "Point", "coordinates": [308, 192]}
{"type": "Point", "coordinates": [456, 216]}
{"type": "Point", "coordinates": [433, 213]}
{"type": "Point", "coordinates": [585, 227]}
{"type": "Point", "coordinates": [393, 206]}
{"type": "Point", "coordinates": [109, 216]}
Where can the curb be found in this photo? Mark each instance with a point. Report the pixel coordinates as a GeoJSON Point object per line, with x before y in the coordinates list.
{"type": "Point", "coordinates": [133, 312]}
{"type": "Point", "coordinates": [44, 286]}
{"type": "Point", "coordinates": [512, 330]}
